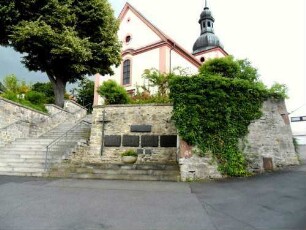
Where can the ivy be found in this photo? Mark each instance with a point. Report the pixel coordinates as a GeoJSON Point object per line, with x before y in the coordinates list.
{"type": "Point", "coordinates": [213, 112]}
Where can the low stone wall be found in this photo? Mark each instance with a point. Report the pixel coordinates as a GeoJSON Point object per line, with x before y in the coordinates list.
{"type": "Point", "coordinates": [147, 129]}
{"type": "Point", "coordinates": [269, 138]}
{"type": "Point", "coordinates": [18, 129]}
{"type": "Point", "coordinates": [13, 112]}
{"type": "Point", "coordinates": [302, 152]}
{"type": "Point", "coordinates": [74, 108]}
{"type": "Point", "coordinates": [18, 121]}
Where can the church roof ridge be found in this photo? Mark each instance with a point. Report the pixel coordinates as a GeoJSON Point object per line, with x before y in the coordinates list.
{"type": "Point", "coordinates": [159, 32]}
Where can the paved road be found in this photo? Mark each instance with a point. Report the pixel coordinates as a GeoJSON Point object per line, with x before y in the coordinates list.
{"type": "Point", "coordinates": [266, 202]}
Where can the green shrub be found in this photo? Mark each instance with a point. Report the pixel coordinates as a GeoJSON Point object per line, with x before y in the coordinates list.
{"type": "Point", "coordinates": [10, 95]}
{"type": "Point", "coordinates": [35, 97]}
{"type": "Point", "coordinates": [213, 112]}
{"type": "Point", "coordinates": [129, 153]}
{"type": "Point", "coordinates": [113, 93]}
{"type": "Point", "coordinates": [279, 91]}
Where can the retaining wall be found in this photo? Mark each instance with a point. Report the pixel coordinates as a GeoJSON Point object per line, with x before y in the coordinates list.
{"type": "Point", "coordinates": [148, 128]}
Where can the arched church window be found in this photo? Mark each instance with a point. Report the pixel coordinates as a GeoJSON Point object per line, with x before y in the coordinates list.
{"type": "Point", "coordinates": [208, 24]}
{"type": "Point", "coordinates": [126, 72]}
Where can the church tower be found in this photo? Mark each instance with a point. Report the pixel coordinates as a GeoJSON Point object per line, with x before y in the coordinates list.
{"type": "Point", "coordinates": [207, 41]}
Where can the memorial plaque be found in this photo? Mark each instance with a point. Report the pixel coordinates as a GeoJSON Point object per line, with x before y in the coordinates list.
{"type": "Point", "coordinates": [139, 151]}
{"type": "Point", "coordinates": [141, 128]}
{"type": "Point", "coordinates": [149, 141]}
{"type": "Point", "coordinates": [130, 141]}
{"type": "Point", "coordinates": [148, 151]}
{"type": "Point", "coordinates": [112, 141]}
{"type": "Point", "coordinates": [168, 141]}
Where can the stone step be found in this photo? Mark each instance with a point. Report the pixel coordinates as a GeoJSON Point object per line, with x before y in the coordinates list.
{"type": "Point", "coordinates": [14, 173]}
{"type": "Point", "coordinates": [28, 156]}
{"type": "Point", "coordinates": [23, 164]}
{"type": "Point", "coordinates": [25, 148]}
{"type": "Point", "coordinates": [20, 170]}
{"type": "Point", "coordinates": [120, 177]}
{"type": "Point", "coordinates": [118, 172]}
{"type": "Point", "coordinates": [34, 160]}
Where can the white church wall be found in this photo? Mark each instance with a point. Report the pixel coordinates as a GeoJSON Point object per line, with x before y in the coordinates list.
{"type": "Point", "coordinates": [179, 61]}
{"type": "Point", "coordinates": [141, 34]}
{"type": "Point", "coordinates": [210, 55]}
{"type": "Point", "coordinates": [146, 60]}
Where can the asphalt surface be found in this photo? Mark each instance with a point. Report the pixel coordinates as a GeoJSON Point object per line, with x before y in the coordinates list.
{"type": "Point", "coordinates": [273, 201]}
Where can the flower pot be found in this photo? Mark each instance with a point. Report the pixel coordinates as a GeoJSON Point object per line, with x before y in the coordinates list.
{"type": "Point", "coordinates": [129, 159]}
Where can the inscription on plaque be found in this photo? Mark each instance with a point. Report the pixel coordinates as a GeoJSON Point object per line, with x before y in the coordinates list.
{"type": "Point", "coordinates": [148, 151]}
{"type": "Point", "coordinates": [141, 128]}
{"type": "Point", "coordinates": [112, 141]}
{"type": "Point", "coordinates": [130, 141]}
{"type": "Point", "coordinates": [168, 141]}
{"type": "Point", "coordinates": [149, 141]}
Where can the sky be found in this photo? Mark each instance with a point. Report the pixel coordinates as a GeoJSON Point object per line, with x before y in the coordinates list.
{"type": "Point", "coordinates": [270, 33]}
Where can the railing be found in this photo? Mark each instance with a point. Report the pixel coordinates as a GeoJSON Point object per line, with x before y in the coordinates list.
{"type": "Point", "coordinates": [68, 137]}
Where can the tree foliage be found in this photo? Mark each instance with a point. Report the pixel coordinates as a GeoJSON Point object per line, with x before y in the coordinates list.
{"type": "Point", "coordinates": [113, 93]}
{"type": "Point", "coordinates": [85, 93]}
{"type": "Point", "coordinates": [46, 89]}
{"type": "Point", "coordinates": [214, 109]}
{"type": "Point", "coordinates": [230, 68]}
{"type": "Point", "coordinates": [65, 39]}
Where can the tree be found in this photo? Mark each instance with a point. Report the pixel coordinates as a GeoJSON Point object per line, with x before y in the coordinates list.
{"type": "Point", "coordinates": [11, 83]}
{"type": "Point", "coordinates": [46, 89]}
{"type": "Point", "coordinates": [161, 80]}
{"type": "Point", "coordinates": [14, 85]}
{"type": "Point", "coordinates": [113, 93]}
{"type": "Point", "coordinates": [85, 93]}
{"type": "Point", "coordinates": [65, 39]}
{"type": "Point", "coordinates": [230, 68]}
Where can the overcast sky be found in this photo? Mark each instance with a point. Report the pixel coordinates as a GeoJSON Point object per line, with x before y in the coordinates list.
{"type": "Point", "coordinates": [270, 33]}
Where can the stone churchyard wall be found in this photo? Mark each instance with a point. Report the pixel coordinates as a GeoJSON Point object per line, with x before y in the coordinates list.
{"type": "Point", "coordinates": [268, 146]}
{"type": "Point", "coordinates": [147, 129]}
{"type": "Point", "coordinates": [18, 121]}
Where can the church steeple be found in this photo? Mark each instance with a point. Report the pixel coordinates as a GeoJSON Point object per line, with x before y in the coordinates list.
{"type": "Point", "coordinates": [207, 39]}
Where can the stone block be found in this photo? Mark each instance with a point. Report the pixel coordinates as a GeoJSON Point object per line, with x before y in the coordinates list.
{"type": "Point", "coordinates": [130, 141]}
{"type": "Point", "coordinates": [141, 128]}
{"type": "Point", "coordinates": [149, 141]}
{"type": "Point", "coordinates": [139, 151]}
{"type": "Point", "coordinates": [168, 141]}
{"type": "Point", "coordinates": [148, 151]}
{"type": "Point", "coordinates": [112, 141]}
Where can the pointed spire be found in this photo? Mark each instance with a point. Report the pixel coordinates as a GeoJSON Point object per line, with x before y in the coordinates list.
{"type": "Point", "coordinates": [206, 5]}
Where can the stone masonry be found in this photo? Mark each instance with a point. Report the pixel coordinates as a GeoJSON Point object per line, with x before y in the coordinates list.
{"type": "Point", "coordinates": [147, 129]}
{"type": "Point", "coordinates": [18, 121]}
{"type": "Point", "coordinates": [269, 140]}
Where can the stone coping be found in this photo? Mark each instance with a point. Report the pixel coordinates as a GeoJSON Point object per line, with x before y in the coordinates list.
{"type": "Point", "coordinates": [23, 106]}
{"type": "Point", "coordinates": [131, 105]}
{"type": "Point", "coordinates": [73, 102]}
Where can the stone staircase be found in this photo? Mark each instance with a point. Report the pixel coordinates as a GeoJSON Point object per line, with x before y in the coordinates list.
{"type": "Point", "coordinates": [136, 172]}
{"type": "Point", "coordinates": [27, 156]}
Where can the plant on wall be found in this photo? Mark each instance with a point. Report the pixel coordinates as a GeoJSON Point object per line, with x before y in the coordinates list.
{"type": "Point", "coordinates": [113, 93]}
{"type": "Point", "coordinates": [214, 109]}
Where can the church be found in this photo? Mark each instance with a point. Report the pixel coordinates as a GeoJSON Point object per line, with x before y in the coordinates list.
{"type": "Point", "coordinates": [145, 46]}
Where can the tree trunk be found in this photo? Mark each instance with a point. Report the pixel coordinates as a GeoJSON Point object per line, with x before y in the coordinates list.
{"type": "Point", "coordinates": [59, 87]}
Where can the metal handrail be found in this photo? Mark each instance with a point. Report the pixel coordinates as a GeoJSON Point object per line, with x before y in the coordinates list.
{"type": "Point", "coordinates": [61, 138]}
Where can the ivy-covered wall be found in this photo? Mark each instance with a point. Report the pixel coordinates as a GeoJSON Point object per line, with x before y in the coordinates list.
{"type": "Point", "coordinates": [269, 136]}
